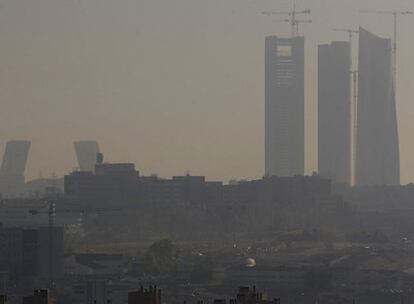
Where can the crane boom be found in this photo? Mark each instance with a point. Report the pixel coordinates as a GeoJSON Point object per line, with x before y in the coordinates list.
{"type": "Point", "coordinates": [294, 22]}
{"type": "Point", "coordinates": [387, 12]}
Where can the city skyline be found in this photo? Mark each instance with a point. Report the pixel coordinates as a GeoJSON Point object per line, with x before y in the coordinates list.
{"type": "Point", "coordinates": [193, 146]}
{"type": "Point", "coordinates": [151, 94]}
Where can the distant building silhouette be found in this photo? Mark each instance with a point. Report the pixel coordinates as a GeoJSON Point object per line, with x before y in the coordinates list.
{"type": "Point", "coordinates": [86, 153]}
{"type": "Point", "coordinates": [334, 112]}
{"type": "Point", "coordinates": [284, 106]}
{"type": "Point", "coordinates": [257, 202]}
{"type": "Point", "coordinates": [13, 167]}
{"type": "Point", "coordinates": [107, 181]}
{"type": "Point", "coordinates": [377, 158]}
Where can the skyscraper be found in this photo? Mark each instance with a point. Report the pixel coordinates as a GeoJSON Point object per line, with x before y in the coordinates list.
{"type": "Point", "coordinates": [284, 106]}
{"type": "Point", "coordinates": [13, 167]}
{"type": "Point", "coordinates": [377, 157]}
{"type": "Point", "coordinates": [86, 153]}
{"type": "Point", "coordinates": [334, 111]}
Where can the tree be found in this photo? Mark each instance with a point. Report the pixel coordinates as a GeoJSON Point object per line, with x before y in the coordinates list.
{"type": "Point", "coordinates": [161, 259]}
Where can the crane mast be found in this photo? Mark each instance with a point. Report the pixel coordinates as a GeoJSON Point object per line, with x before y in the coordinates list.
{"type": "Point", "coordinates": [353, 74]}
{"type": "Point", "coordinates": [51, 212]}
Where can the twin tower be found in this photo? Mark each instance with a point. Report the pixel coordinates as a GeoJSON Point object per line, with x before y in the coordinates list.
{"type": "Point", "coordinates": [357, 144]}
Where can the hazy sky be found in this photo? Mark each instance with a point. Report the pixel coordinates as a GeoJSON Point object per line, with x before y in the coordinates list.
{"type": "Point", "coordinates": [172, 85]}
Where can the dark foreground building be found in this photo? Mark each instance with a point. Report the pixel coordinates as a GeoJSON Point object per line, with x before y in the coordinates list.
{"type": "Point", "coordinates": [40, 296]}
{"type": "Point", "coordinates": [25, 254]}
{"type": "Point", "coordinates": [152, 295]}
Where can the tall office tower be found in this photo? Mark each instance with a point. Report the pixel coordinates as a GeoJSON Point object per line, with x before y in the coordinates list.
{"type": "Point", "coordinates": [334, 112]}
{"type": "Point", "coordinates": [13, 167]}
{"type": "Point", "coordinates": [284, 117]}
{"type": "Point", "coordinates": [86, 153]}
{"type": "Point", "coordinates": [377, 157]}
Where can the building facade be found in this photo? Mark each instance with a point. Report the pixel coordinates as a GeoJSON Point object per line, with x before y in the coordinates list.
{"type": "Point", "coordinates": [284, 106]}
{"type": "Point", "coordinates": [13, 167]}
{"type": "Point", "coordinates": [86, 153]}
{"type": "Point", "coordinates": [334, 112]}
{"type": "Point", "coordinates": [25, 253]}
{"type": "Point", "coordinates": [377, 153]}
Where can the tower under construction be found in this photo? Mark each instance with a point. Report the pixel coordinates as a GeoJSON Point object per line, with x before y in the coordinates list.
{"type": "Point", "coordinates": [284, 106]}
{"type": "Point", "coordinates": [334, 111]}
{"type": "Point", "coordinates": [377, 152]}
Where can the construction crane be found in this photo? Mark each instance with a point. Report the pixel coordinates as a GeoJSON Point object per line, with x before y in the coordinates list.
{"type": "Point", "coordinates": [353, 74]}
{"type": "Point", "coordinates": [349, 31]}
{"type": "Point", "coordinates": [297, 22]}
{"type": "Point", "coordinates": [51, 212]}
{"type": "Point", "coordinates": [395, 14]}
{"type": "Point", "coordinates": [294, 22]}
{"type": "Point", "coordinates": [354, 126]}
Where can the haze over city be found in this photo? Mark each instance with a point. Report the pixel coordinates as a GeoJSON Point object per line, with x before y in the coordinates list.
{"type": "Point", "coordinates": [206, 151]}
{"type": "Point", "coordinates": [173, 86]}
